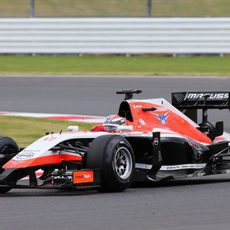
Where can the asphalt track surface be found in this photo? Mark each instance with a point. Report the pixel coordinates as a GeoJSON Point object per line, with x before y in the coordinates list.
{"type": "Point", "coordinates": [95, 96]}
{"type": "Point", "coordinates": [194, 205]}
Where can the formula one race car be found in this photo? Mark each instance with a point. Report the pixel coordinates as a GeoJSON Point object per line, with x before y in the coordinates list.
{"type": "Point", "coordinates": [148, 140]}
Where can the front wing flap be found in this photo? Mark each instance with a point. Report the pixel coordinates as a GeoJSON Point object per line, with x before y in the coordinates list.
{"type": "Point", "coordinates": [59, 179]}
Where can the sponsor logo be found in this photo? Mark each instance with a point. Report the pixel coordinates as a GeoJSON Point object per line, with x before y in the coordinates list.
{"type": "Point", "coordinates": [142, 122]}
{"type": "Point", "coordinates": [82, 177]}
{"type": "Point", "coordinates": [210, 96]}
{"type": "Point", "coordinates": [137, 106]}
{"type": "Point", "coordinates": [24, 155]}
{"type": "Point", "coordinates": [172, 167]}
{"type": "Point", "coordinates": [182, 167]}
{"type": "Point", "coordinates": [162, 118]}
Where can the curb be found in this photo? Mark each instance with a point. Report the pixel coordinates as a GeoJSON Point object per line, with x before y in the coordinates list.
{"type": "Point", "coordinates": [53, 116]}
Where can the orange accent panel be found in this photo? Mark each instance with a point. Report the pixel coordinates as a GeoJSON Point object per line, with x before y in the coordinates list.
{"type": "Point", "coordinates": [46, 160]}
{"type": "Point", "coordinates": [82, 177]}
{"type": "Point", "coordinates": [146, 121]}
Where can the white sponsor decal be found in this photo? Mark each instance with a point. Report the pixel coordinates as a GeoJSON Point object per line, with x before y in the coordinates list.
{"type": "Point", "coordinates": [142, 122]}
{"type": "Point", "coordinates": [87, 176]}
{"type": "Point", "coordinates": [211, 96]}
{"type": "Point", "coordinates": [172, 167]}
{"type": "Point", "coordinates": [180, 167]}
{"type": "Point", "coordinates": [137, 106]}
{"type": "Point", "coordinates": [25, 155]}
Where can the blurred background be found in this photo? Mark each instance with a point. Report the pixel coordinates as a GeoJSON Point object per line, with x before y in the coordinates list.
{"type": "Point", "coordinates": [114, 8]}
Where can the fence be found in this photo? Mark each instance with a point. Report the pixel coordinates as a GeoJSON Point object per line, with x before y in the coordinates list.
{"type": "Point", "coordinates": [115, 36]}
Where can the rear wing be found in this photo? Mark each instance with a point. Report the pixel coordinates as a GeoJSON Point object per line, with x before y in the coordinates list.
{"type": "Point", "coordinates": [201, 100]}
{"type": "Point", "coordinates": [190, 102]}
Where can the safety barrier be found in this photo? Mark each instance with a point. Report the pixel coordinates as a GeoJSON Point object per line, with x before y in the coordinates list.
{"type": "Point", "coordinates": [115, 36]}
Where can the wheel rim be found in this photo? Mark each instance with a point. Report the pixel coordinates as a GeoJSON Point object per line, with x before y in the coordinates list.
{"type": "Point", "coordinates": [122, 163]}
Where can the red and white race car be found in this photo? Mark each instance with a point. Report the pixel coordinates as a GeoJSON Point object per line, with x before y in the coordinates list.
{"type": "Point", "coordinates": [148, 140]}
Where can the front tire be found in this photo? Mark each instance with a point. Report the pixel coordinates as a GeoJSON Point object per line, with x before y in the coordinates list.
{"type": "Point", "coordinates": [113, 156]}
{"type": "Point", "coordinates": [7, 149]}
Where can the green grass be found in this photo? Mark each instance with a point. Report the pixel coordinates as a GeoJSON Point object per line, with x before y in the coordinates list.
{"type": "Point", "coordinates": [78, 8]}
{"type": "Point", "coordinates": [27, 130]}
{"type": "Point", "coordinates": [106, 65]}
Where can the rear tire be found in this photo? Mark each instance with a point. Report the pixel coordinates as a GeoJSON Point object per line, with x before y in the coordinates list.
{"type": "Point", "coordinates": [113, 156]}
{"type": "Point", "coordinates": [209, 129]}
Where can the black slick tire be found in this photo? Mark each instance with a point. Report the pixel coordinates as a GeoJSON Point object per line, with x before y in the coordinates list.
{"type": "Point", "coordinates": [101, 155]}
{"type": "Point", "coordinates": [7, 148]}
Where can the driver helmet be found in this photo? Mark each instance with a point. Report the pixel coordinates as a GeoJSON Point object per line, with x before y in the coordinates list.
{"type": "Point", "coordinates": [113, 121]}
